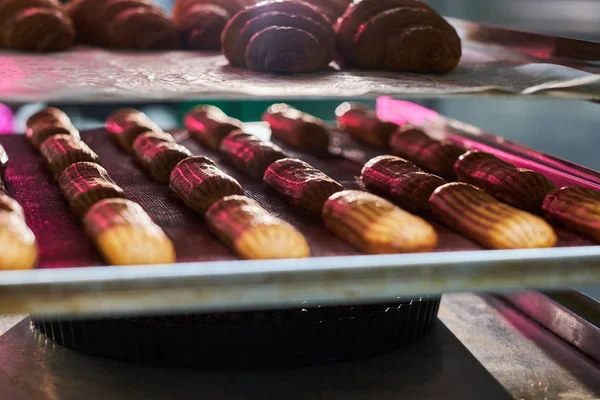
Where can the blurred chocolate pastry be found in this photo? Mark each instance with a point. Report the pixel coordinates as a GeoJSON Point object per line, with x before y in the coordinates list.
{"type": "Point", "coordinates": [400, 180]}
{"type": "Point", "coordinates": [48, 122]}
{"type": "Point", "coordinates": [144, 142]}
{"type": "Point", "coordinates": [60, 151]}
{"type": "Point", "coordinates": [521, 188]}
{"type": "Point", "coordinates": [199, 183]}
{"type": "Point", "coordinates": [436, 156]}
{"type": "Point", "coordinates": [3, 162]}
{"type": "Point", "coordinates": [332, 8]}
{"type": "Point", "coordinates": [250, 154]}
{"type": "Point", "coordinates": [209, 125]}
{"type": "Point", "coordinates": [279, 36]}
{"type": "Point", "coordinates": [397, 35]}
{"type": "Point", "coordinates": [299, 130]}
{"type": "Point", "coordinates": [252, 232]}
{"type": "Point", "coordinates": [123, 24]}
{"type": "Point", "coordinates": [576, 208]}
{"type": "Point", "coordinates": [376, 226]}
{"type": "Point", "coordinates": [300, 183]}
{"type": "Point", "coordinates": [201, 22]}
{"type": "Point", "coordinates": [85, 183]}
{"type": "Point", "coordinates": [125, 124]}
{"type": "Point", "coordinates": [477, 215]}
{"type": "Point", "coordinates": [364, 125]}
{"type": "Point", "coordinates": [35, 25]}
{"type": "Point", "coordinates": [160, 160]}
{"type": "Point", "coordinates": [126, 235]}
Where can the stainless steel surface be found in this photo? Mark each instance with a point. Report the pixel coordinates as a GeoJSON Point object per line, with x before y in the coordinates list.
{"type": "Point", "coordinates": [566, 323]}
{"type": "Point", "coordinates": [529, 362]}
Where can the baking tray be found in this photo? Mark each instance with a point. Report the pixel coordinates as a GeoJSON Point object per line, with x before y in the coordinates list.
{"type": "Point", "coordinates": [495, 60]}
{"type": "Point", "coordinates": [72, 279]}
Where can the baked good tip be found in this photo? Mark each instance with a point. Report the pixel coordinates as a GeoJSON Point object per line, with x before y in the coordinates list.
{"type": "Point", "coordinates": [126, 235]}
{"type": "Point", "coordinates": [209, 125]}
{"type": "Point", "coordinates": [475, 214]}
{"type": "Point", "coordinates": [279, 36]}
{"type": "Point", "coordinates": [364, 125]}
{"type": "Point", "coordinates": [252, 232]}
{"type": "Point", "coordinates": [576, 208]}
{"type": "Point", "coordinates": [199, 183]}
{"type": "Point", "coordinates": [401, 181]}
{"type": "Point", "coordinates": [521, 188]}
{"type": "Point", "coordinates": [250, 154]}
{"type": "Point", "coordinates": [60, 151]}
{"type": "Point", "coordinates": [397, 35]}
{"type": "Point", "coordinates": [296, 128]}
{"type": "Point", "coordinates": [435, 156]}
{"type": "Point", "coordinates": [300, 183]}
{"type": "Point", "coordinates": [376, 226]}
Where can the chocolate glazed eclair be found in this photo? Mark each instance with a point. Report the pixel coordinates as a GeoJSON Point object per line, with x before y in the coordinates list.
{"type": "Point", "coordinates": [60, 151]}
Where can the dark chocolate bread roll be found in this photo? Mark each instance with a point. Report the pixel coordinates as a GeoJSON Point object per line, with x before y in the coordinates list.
{"type": "Point", "coordinates": [397, 35]}
{"type": "Point", "coordinates": [279, 36]}
{"type": "Point", "coordinates": [201, 22]}
{"type": "Point", "coordinates": [35, 25]}
{"type": "Point", "coordinates": [332, 8]}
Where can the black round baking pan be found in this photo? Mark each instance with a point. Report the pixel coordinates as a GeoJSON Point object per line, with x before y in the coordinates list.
{"type": "Point", "coordinates": [260, 339]}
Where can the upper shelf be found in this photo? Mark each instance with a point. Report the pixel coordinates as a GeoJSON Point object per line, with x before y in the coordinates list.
{"type": "Point", "coordinates": [494, 60]}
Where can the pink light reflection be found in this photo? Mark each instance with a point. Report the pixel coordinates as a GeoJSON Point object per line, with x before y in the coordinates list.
{"type": "Point", "coordinates": [7, 120]}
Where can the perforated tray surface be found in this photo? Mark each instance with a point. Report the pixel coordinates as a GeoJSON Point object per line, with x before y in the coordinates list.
{"type": "Point", "coordinates": [333, 274]}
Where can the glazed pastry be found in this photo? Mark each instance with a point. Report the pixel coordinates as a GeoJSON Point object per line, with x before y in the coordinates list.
{"type": "Point", "coordinates": [279, 36]}
{"type": "Point", "coordinates": [18, 248]}
{"type": "Point", "coordinates": [332, 8]}
{"type": "Point", "coordinates": [48, 122]}
{"type": "Point", "coordinates": [85, 183]}
{"type": "Point", "coordinates": [376, 226]}
{"type": "Point", "coordinates": [147, 141]}
{"type": "Point", "coordinates": [3, 162]}
{"type": "Point", "coordinates": [199, 183]}
{"type": "Point", "coordinates": [436, 156]}
{"type": "Point", "coordinates": [364, 125]}
{"type": "Point", "coordinates": [298, 129]}
{"type": "Point", "coordinates": [209, 125]}
{"type": "Point", "coordinates": [576, 208]}
{"type": "Point", "coordinates": [300, 183]}
{"type": "Point", "coordinates": [35, 25]}
{"type": "Point", "coordinates": [126, 235]}
{"type": "Point", "coordinates": [250, 154]}
{"type": "Point", "coordinates": [400, 180]}
{"type": "Point", "coordinates": [125, 124]}
{"type": "Point", "coordinates": [477, 215]}
{"type": "Point", "coordinates": [201, 22]}
{"type": "Point", "coordinates": [521, 188]}
{"type": "Point", "coordinates": [252, 232]}
{"type": "Point", "coordinates": [123, 24]}
{"type": "Point", "coordinates": [60, 151]}
{"type": "Point", "coordinates": [161, 159]}
{"type": "Point", "coordinates": [397, 35]}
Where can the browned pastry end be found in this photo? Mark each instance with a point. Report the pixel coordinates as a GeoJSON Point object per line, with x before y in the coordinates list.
{"type": "Point", "coordinates": [10, 205]}
{"type": "Point", "coordinates": [364, 125]}
{"type": "Point", "coordinates": [60, 151]}
{"type": "Point", "coordinates": [199, 183]}
{"type": "Point", "coordinates": [125, 124]}
{"type": "Point", "coordinates": [18, 248]}
{"type": "Point", "coordinates": [477, 215]}
{"type": "Point", "coordinates": [209, 125]}
{"type": "Point", "coordinates": [435, 156]}
{"type": "Point", "coordinates": [161, 159]}
{"type": "Point", "coordinates": [299, 130]}
{"type": "Point", "coordinates": [300, 183]}
{"type": "Point", "coordinates": [126, 235]}
{"type": "Point", "coordinates": [3, 162]}
{"type": "Point", "coordinates": [332, 8]}
{"type": "Point", "coordinates": [279, 36]}
{"type": "Point", "coordinates": [521, 188]}
{"type": "Point", "coordinates": [250, 154]}
{"type": "Point", "coordinates": [85, 183]}
{"type": "Point", "coordinates": [376, 226]}
{"type": "Point", "coordinates": [48, 122]}
{"type": "Point", "coordinates": [35, 25]}
{"type": "Point", "coordinates": [397, 35]}
{"type": "Point", "coordinates": [400, 180]}
{"type": "Point", "coordinates": [201, 22]}
{"type": "Point", "coordinates": [576, 208]}
{"type": "Point", "coordinates": [252, 232]}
